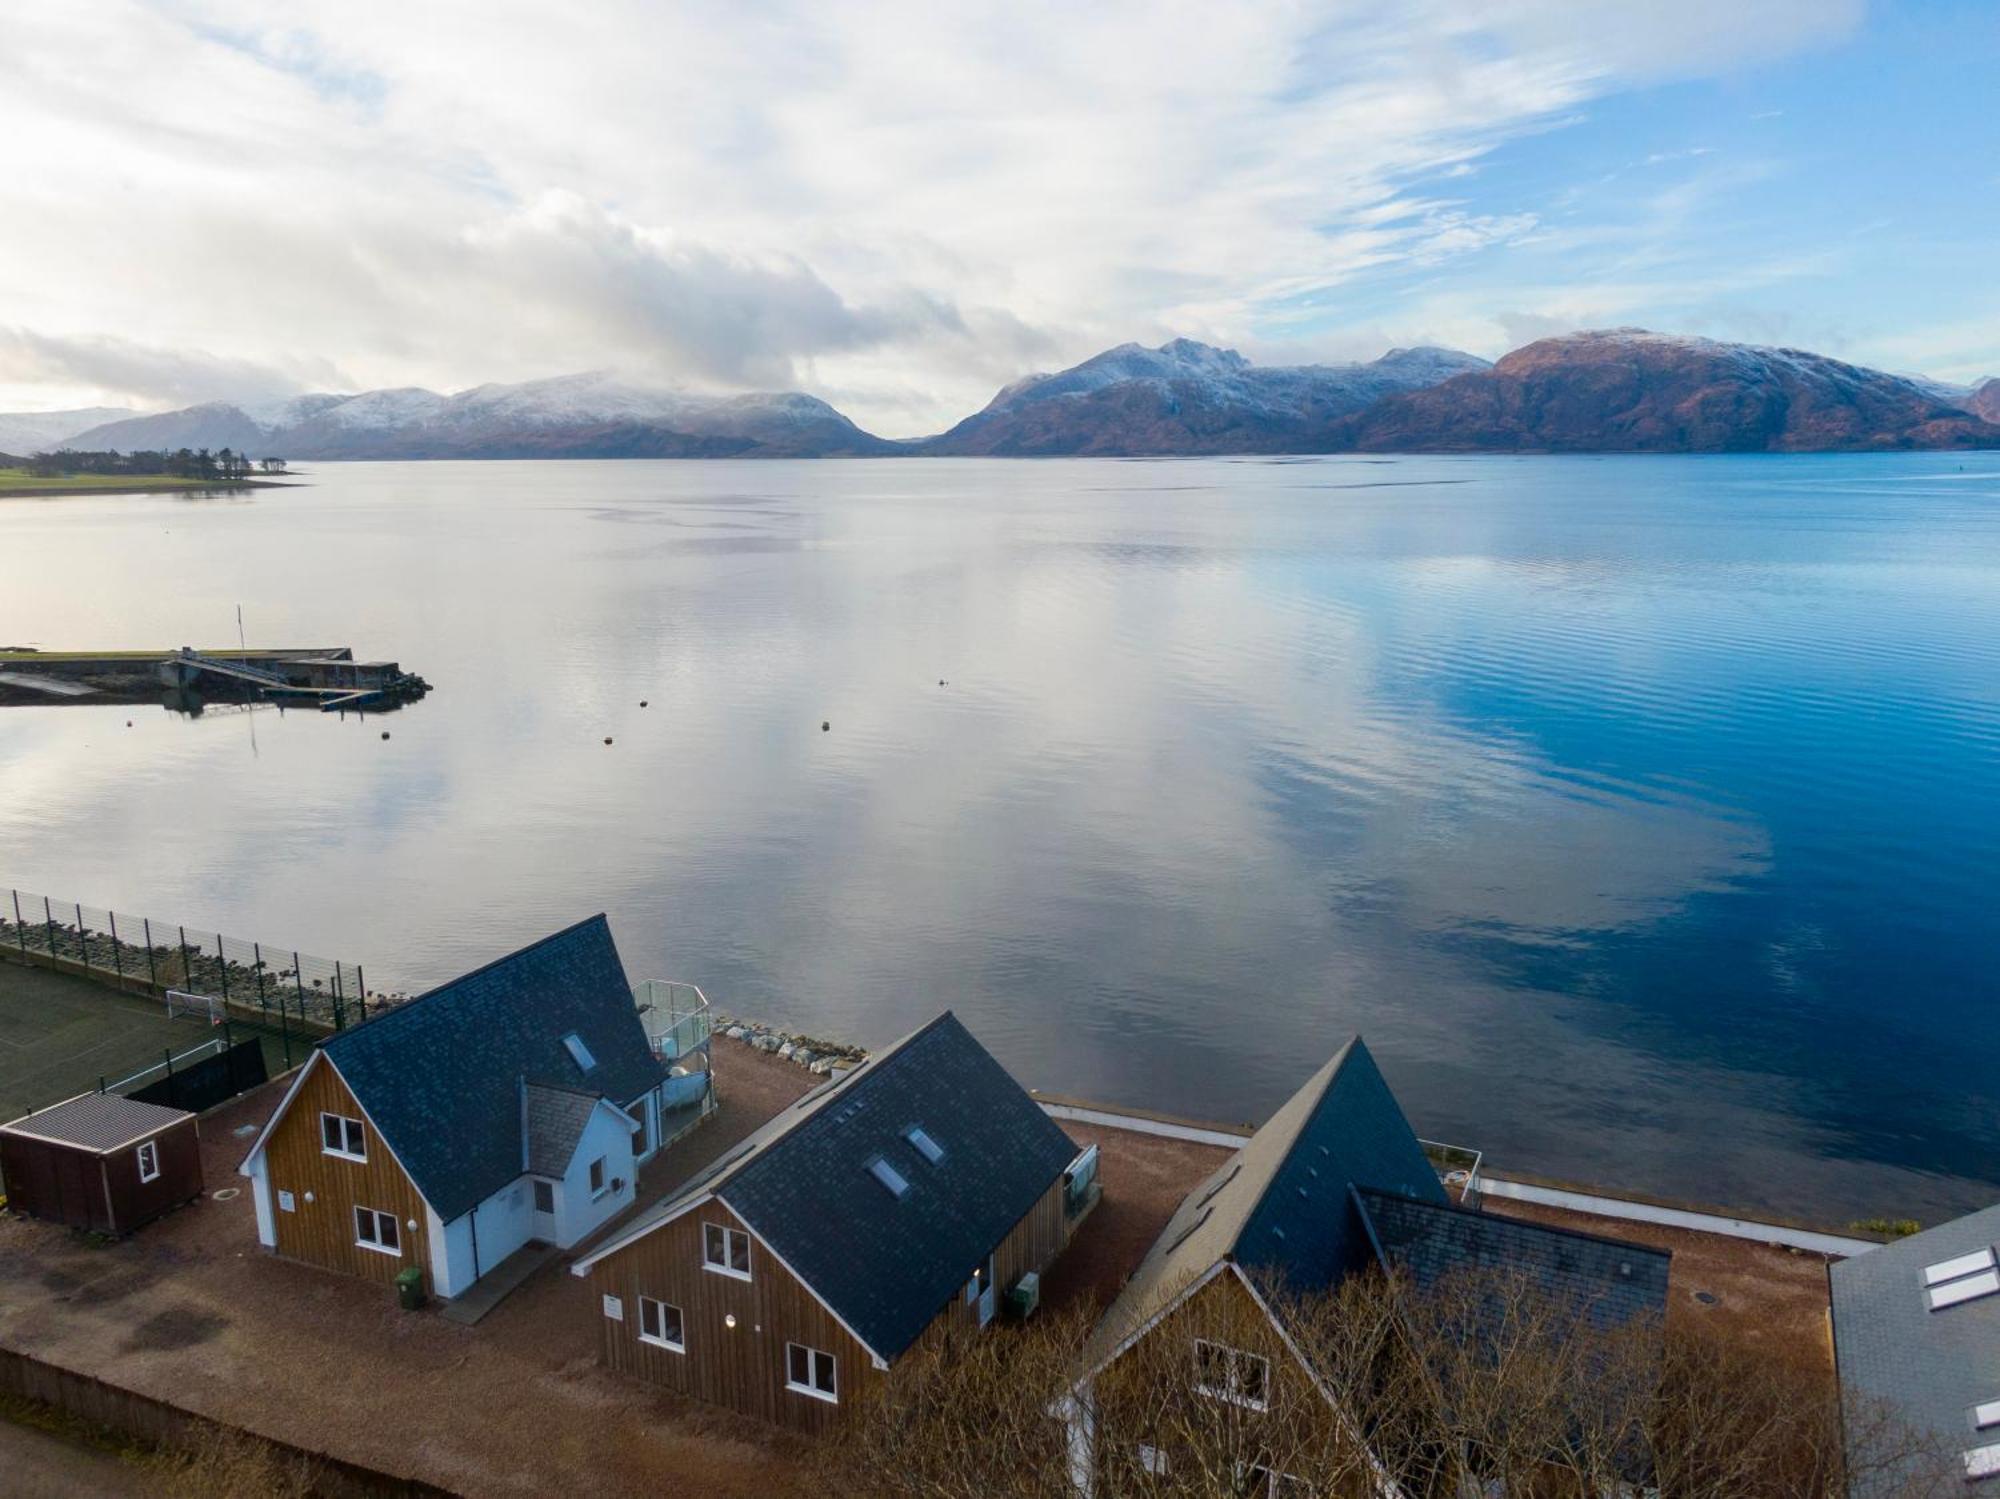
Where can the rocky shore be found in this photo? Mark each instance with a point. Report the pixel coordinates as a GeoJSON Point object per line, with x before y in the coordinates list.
{"type": "Point", "coordinates": [820, 1057]}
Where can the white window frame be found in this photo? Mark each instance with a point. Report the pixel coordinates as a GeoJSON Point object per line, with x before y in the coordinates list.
{"type": "Point", "coordinates": [376, 1219]}
{"type": "Point", "coordinates": [1230, 1364]}
{"type": "Point", "coordinates": [813, 1356]}
{"type": "Point", "coordinates": [579, 1053]}
{"type": "Point", "coordinates": [601, 1169]}
{"type": "Point", "coordinates": [657, 1309]}
{"type": "Point", "coordinates": [1276, 1484]}
{"type": "Point", "coordinates": [1152, 1460]}
{"type": "Point", "coordinates": [149, 1160]}
{"type": "Point", "coordinates": [925, 1144]}
{"type": "Point", "coordinates": [888, 1178]}
{"type": "Point", "coordinates": [729, 1236]}
{"type": "Point", "coordinates": [350, 1130]}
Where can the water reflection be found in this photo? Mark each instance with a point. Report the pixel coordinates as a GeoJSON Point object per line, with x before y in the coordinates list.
{"type": "Point", "coordinates": [1636, 809]}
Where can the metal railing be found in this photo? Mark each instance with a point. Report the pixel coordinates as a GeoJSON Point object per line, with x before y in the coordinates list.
{"type": "Point", "coordinates": [677, 1017]}
{"type": "Point", "coordinates": [254, 980]}
{"type": "Point", "coordinates": [1457, 1166]}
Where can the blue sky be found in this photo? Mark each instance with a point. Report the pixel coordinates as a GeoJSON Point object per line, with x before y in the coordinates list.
{"type": "Point", "coordinates": [901, 206]}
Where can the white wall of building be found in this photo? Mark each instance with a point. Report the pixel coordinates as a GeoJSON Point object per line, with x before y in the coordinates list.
{"type": "Point", "coordinates": [609, 1135]}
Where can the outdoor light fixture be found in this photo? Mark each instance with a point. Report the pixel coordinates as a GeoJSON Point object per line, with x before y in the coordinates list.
{"type": "Point", "coordinates": [729, 1320]}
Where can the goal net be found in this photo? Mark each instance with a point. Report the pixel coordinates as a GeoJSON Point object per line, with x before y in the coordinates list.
{"type": "Point", "coordinates": [200, 1006]}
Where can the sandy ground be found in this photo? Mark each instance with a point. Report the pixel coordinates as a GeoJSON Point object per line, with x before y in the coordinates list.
{"type": "Point", "coordinates": [1770, 1297]}
{"type": "Point", "coordinates": [192, 1310]}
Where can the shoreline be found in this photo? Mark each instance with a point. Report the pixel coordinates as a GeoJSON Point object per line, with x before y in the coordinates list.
{"type": "Point", "coordinates": [150, 486]}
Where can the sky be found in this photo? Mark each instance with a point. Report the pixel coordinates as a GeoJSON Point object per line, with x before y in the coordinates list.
{"type": "Point", "coordinates": [900, 207]}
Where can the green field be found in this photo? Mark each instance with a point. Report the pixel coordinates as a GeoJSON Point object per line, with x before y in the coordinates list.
{"type": "Point", "coordinates": [18, 481]}
{"type": "Point", "coordinates": [60, 1034]}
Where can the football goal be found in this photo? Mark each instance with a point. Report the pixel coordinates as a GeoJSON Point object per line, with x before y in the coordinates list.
{"type": "Point", "coordinates": [199, 1006]}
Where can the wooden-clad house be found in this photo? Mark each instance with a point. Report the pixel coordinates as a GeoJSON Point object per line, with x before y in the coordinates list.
{"type": "Point", "coordinates": [924, 1190]}
{"type": "Point", "coordinates": [1335, 1182]}
{"type": "Point", "coordinates": [101, 1162]}
{"type": "Point", "coordinates": [509, 1106]}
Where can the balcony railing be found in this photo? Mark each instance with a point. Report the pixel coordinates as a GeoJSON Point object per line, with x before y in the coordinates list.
{"type": "Point", "coordinates": [676, 1015]}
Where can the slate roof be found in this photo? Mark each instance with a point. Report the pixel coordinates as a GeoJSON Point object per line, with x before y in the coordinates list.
{"type": "Point", "coordinates": [888, 1265]}
{"type": "Point", "coordinates": [96, 1122]}
{"type": "Point", "coordinates": [1933, 1366]}
{"type": "Point", "coordinates": [555, 1118]}
{"type": "Point", "coordinates": [1281, 1206]}
{"type": "Point", "coordinates": [1613, 1283]}
{"type": "Point", "coordinates": [441, 1076]}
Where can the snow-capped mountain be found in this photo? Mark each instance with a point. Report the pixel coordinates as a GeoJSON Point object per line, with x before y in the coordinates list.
{"type": "Point", "coordinates": [1188, 397]}
{"type": "Point", "coordinates": [1629, 390]}
{"type": "Point", "coordinates": [24, 432]}
{"type": "Point", "coordinates": [578, 416]}
{"type": "Point", "coordinates": [1985, 400]}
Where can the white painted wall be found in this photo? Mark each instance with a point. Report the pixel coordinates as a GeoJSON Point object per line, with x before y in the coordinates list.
{"type": "Point", "coordinates": [505, 1223]}
{"type": "Point", "coordinates": [608, 1134]}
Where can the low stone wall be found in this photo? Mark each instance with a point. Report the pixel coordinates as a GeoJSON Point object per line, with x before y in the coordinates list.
{"type": "Point", "coordinates": [818, 1056]}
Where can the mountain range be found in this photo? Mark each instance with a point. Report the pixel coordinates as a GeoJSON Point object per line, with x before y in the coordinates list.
{"type": "Point", "coordinates": [1620, 390]}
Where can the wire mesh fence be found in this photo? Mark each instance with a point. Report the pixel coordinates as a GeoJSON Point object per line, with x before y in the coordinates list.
{"type": "Point", "coordinates": [277, 985]}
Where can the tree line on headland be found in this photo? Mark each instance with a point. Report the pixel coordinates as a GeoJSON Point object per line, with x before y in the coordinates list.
{"type": "Point", "coordinates": [182, 463]}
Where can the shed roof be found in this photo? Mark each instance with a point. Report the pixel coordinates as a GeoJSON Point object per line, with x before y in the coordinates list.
{"type": "Point", "coordinates": [98, 1122]}
{"type": "Point", "coordinates": [441, 1076]}
{"type": "Point", "coordinates": [887, 1264]}
{"type": "Point", "coordinates": [1611, 1282]}
{"type": "Point", "coordinates": [1933, 1367]}
{"type": "Point", "coordinates": [1281, 1206]}
{"type": "Point", "coordinates": [555, 1119]}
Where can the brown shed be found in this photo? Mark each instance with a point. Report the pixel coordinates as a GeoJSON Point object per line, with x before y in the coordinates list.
{"type": "Point", "coordinates": [101, 1162]}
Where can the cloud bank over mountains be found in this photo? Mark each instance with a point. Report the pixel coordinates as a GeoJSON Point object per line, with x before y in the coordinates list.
{"type": "Point", "coordinates": [895, 207]}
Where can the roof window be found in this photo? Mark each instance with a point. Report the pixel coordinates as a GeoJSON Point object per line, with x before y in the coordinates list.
{"type": "Point", "coordinates": [1967, 1277]}
{"type": "Point", "coordinates": [1986, 1415]}
{"type": "Point", "coordinates": [924, 1145]}
{"type": "Point", "coordinates": [1982, 1462]}
{"type": "Point", "coordinates": [891, 1179]}
{"type": "Point", "coordinates": [579, 1052]}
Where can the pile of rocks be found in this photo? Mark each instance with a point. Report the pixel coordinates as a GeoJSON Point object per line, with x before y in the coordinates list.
{"type": "Point", "coordinates": [821, 1058]}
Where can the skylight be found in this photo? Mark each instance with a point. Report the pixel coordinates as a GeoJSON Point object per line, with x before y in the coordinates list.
{"type": "Point", "coordinates": [579, 1051]}
{"type": "Point", "coordinates": [1986, 1415]}
{"type": "Point", "coordinates": [1982, 1462]}
{"type": "Point", "coordinates": [888, 1176]}
{"type": "Point", "coordinates": [1965, 1264]}
{"type": "Point", "coordinates": [1966, 1277]}
{"type": "Point", "coordinates": [926, 1147]}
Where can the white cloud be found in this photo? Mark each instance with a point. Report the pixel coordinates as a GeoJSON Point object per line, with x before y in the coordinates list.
{"type": "Point", "coordinates": [901, 202]}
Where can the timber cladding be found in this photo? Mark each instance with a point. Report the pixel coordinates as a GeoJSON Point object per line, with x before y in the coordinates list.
{"type": "Point", "coordinates": [322, 1231]}
{"type": "Point", "coordinates": [744, 1366]}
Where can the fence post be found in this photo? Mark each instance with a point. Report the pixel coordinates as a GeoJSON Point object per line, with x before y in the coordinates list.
{"type": "Point", "coordinates": [339, 995]}
{"type": "Point", "coordinates": [152, 973]}
{"type": "Point", "coordinates": [49, 918]}
{"type": "Point", "coordinates": [257, 952]}
{"type": "Point", "coordinates": [285, 1032]}
{"type": "Point", "coordinates": [361, 983]}
{"type": "Point", "coordinates": [168, 1053]}
{"type": "Point", "coordinates": [298, 983]}
{"type": "Point", "coordinates": [82, 937]}
{"type": "Point", "coordinates": [20, 926]}
{"type": "Point", "coordinates": [117, 948]}
{"type": "Point", "coordinates": [187, 963]}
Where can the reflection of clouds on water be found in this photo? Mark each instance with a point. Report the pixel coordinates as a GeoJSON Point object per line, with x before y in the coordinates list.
{"type": "Point", "coordinates": [1511, 781]}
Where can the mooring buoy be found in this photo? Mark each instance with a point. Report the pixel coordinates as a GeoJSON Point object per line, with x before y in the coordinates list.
{"type": "Point", "coordinates": [825, 724]}
{"type": "Point", "coordinates": [607, 738]}
{"type": "Point", "coordinates": [385, 733]}
{"type": "Point", "coordinates": [642, 702]}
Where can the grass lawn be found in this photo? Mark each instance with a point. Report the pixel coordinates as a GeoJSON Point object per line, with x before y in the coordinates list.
{"type": "Point", "coordinates": [19, 481]}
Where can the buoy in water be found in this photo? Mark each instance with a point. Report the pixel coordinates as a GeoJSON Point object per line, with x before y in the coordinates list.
{"type": "Point", "coordinates": [825, 724]}
{"type": "Point", "coordinates": [642, 702]}
{"type": "Point", "coordinates": [385, 733]}
{"type": "Point", "coordinates": [607, 738]}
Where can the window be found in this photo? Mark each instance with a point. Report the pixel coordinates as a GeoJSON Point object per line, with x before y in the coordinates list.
{"type": "Point", "coordinates": [149, 1161]}
{"type": "Point", "coordinates": [1260, 1481]}
{"type": "Point", "coordinates": [597, 1183]}
{"type": "Point", "coordinates": [639, 1135]}
{"type": "Point", "coordinates": [891, 1179]}
{"type": "Point", "coordinates": [660, 1324]}
{"type": "Point", "coordinates": [545, 1197]}
{"type": "Point", "coordinates": [1982, 1462]}
{"type": "Point", "coordinates": [579, 1053]}
{"type": "Point", "coordinates": [1966, 1278]}
{"type": "Point", "coordinates": [1231, 1374]}
{"type": "Point", "coordinates": [373, 1230]}
{"type": "Point", "coordinates": [810, 1372]}
{"type": "Point", "coordinates": [925, 1146]}
{"type": "Point", "coordinates": [344, 1137]}
{"type": "Point", "coordinates": [1152, 1460]}
{"type": "Point", "coordinates": [1986, 1415]}
{"type": "Point", "coordinates": [725, 1250]}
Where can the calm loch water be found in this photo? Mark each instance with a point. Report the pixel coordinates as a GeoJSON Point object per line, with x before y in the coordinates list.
{"type": "Point", "coordinates": [1643, 813]}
